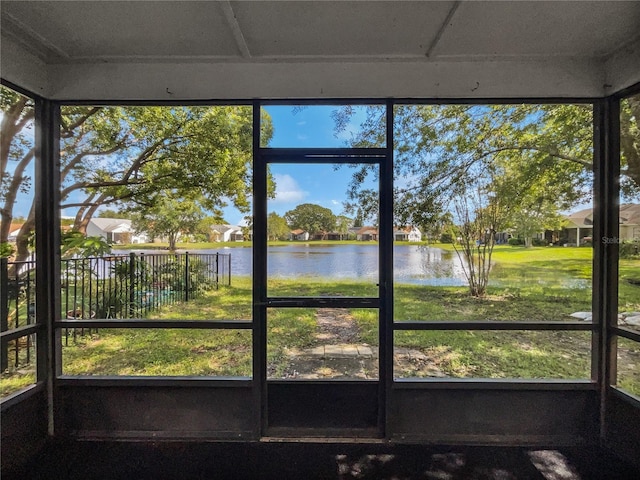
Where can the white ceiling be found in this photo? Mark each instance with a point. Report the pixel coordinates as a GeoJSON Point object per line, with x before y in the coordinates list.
{"type": "Point", "coordinates": [161, 50]}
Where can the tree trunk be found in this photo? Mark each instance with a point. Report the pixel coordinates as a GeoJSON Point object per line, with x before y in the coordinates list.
{"type": "Point", "coordinates": [172, 242]}
{"type": "Point", "coordinates": [12, 193]}
{"type": "Point", "coordinates": [88, 213]}
{"type": "Point", "coordinates": [22, 240]}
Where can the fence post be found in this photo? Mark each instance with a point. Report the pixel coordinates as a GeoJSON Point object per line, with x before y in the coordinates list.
{"type": "Point", "coordinates": [132, 282]}
{"type": "Point", "coordinates": [186, 276]}
{"type": "Point", "coordinates": [4, 311]}
{"type": "Point", "coordinates": [229, 257]}
{"type": "Point", "coordinates": [217, 270]}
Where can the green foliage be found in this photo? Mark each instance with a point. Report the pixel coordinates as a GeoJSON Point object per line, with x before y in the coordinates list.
{"type": "Point", "coordinates": [514, 241]}
{"type": "Point", "coordinates": [539, 158]}
{"type": "Point", "coordinates": [149, 149]}
{"type": "Point", "coordinates": [109, 213]}
{"type": "Point", "coordinates": [170, 215]}
{"type": "Point", "coordinates": [277, 228]}
{"type": "Point", "coordinates": [539, 242]}
{"type": "Point", "coordinates": [312, 218]}
{"type": "Point", "coordinates": [446, 237]}
{"type": "Point", "coordinates": [6, 250]}
{"type": "Point", "coordinates": [76, 244]}
{"type": "Point", "coordinates": [629, 249]}
{"type": "Point", "coordinates": [175, 275]}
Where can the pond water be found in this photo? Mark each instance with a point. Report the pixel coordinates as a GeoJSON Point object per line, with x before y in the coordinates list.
{"type": "Point", "coordinates": [416, 264]}
{"type": "Point", "coordinates": [412, 264]}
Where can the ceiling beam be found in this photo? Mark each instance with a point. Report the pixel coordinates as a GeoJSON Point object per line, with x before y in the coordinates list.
{"type": "Point", "coordinates": [230, 15]}
{"type": "Point", "coordinates": [443, 27]}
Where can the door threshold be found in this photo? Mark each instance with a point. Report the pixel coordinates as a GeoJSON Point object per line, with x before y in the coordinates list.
{"type": "Point", "coordinates": [323, 434]}
{"type": "Point", "coordinates": [326, 440]}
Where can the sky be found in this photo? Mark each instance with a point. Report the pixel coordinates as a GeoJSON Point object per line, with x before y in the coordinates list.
{"type": "Point", "coordinates": [322, 185]}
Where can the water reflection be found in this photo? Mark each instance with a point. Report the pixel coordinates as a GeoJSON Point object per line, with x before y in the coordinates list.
{"type": "Point", "coordinates": [425, 265]}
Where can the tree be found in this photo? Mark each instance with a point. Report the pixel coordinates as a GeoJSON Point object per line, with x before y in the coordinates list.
{"type": "Point", "coordinates": [277, 228]}
{"type": "Point", "coordinates": [169, 216]}
{"type": "Point", "coordinates": [343, 224]}
{"type": "Point", "coordinates": [438, 148]}
{"type": "Point", "coordinates": [630, 145]}
{"type": "Point", "coordinates": [124, 155]}
{"type": "Point", "coordinates": [480, 219]}
{"type": "Point", "coordinates": [17, 148]}
{"type": "Point", "coordinates": [312, 218]}
{"type": "Point", "coordinates": [108, 213]}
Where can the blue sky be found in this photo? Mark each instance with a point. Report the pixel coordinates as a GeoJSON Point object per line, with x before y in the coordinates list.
{"type": "Point", "coordinates": [299, 183]}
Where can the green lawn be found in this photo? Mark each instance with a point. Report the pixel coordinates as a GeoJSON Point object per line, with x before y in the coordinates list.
{"type": "Point", "coordinates": [529, 285]}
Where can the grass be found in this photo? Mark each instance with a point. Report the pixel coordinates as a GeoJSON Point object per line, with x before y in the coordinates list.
{"type": "Point", "coordinates": [18, 377]}
{"type": "Point", "coordinates": [528, 287]}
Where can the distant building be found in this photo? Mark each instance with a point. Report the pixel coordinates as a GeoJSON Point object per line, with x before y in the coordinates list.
{"type": "Point", "coordinates": [299, 234]}
{"type": "Point", "coordinates": [14, 230]}
{"type": "Point", "coordinates": [579, 228]}
{"type": "Point", "coordinates": [367, 234]}
{"type": "Point", "coordinates": [115, 230]}
{"type": "Point", "coordinates": [226, 233]}
{"type": "Point", "coordinates": [407, 234]}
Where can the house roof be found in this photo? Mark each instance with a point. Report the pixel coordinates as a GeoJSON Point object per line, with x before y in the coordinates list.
{"type": "Point", "coordinates": [629, 215]}
{"type": "Point", "coordinates": [224, 228]}
{"type": "Point", "coordinates": [369, 230]}
{"type": "Point", "coordinates": [297, 231]}
{"type": "Point", "coordinates": [114, 225]}
{"type": "Point", "coordinates": [15, 227]}
{"type": "Point", "coordinates": [582, 218]}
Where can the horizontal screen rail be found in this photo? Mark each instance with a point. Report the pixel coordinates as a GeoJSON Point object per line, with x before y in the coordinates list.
{"type": "Point", "coordinates": [324, 152]}
{"type": "Point", "coordinates": [320, 302]}
{"type": "Point", "coordinates": [627, 333]}
{"type": "Point", "coordinates": [21, 331]}
{"type": "Point", "coordinates": [626, 396]}
{"type": "Point", "coordinates": [493, 325]}
{"type": "Point", "coordinates": [155, 381]}
{"type": "Point", "coordinates": [492, 384]}
{"type": "Point", "coordinates": [143, 323]}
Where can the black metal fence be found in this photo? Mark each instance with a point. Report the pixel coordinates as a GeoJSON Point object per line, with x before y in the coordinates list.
{"type": "Point", "coordinates": [17, 309]}
{"type": "Point", "coordinates": [115, 286]}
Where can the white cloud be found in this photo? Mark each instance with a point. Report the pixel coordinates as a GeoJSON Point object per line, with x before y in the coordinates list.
{"type": "Point", "coordinates": [287, 189]}
{"type": "Point", "coordinates": [335, 202]}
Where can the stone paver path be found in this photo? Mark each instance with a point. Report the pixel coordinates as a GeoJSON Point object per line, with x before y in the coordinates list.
{"type": "Point", "coordinates": [340, 355]}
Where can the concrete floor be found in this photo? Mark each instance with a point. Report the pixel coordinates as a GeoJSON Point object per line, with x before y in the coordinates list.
{"type": "Point", "coordinates": [293, 460]}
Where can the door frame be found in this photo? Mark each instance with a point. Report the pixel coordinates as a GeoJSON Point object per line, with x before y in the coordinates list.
{"type": "Point", "coordinates": [383, 157]}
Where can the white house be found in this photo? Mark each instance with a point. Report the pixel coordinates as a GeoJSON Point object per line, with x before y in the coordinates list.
{"type": "Point", "coordinates": [226, 233]}
{"type": "Point", "coordinates": [407, 234]}
{"type": "Point", "coordinates": [299, 234]}
{"type": "Point", "coordinates": [115, 230]}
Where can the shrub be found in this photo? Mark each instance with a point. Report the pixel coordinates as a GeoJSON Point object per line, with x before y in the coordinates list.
{"type": "Point", "coordinates": [516, 241]}
{"type": "Point", "coordinates": [446, 238]}
{"type": "Point", "coordinates": [629, 249]}
{"type": "Point", "coordinates": [539, 242]}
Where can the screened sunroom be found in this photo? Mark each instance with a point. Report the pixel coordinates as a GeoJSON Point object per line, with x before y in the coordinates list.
{"type": "Point", "coordinates": [476, 281]}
